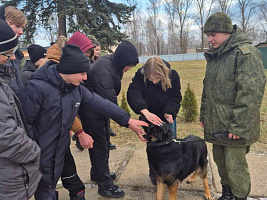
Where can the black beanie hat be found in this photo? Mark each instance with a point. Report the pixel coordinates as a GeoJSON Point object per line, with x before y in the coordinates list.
{"type": "Point", "coordinates": [73, 60]}
{"type": "Point", "coordinates": [219, 22]}
{"type": "Point", "coordinates": [8, 39]}
{"type": "Point", "coordinates": [36, 52]}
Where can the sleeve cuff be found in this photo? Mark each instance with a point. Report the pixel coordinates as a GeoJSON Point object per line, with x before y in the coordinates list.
{"type": "Point", "coordinates": [79, 132]}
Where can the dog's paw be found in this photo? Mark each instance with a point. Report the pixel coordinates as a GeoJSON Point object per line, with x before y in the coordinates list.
{"type": "Point", "coordinates": [190, 180]}
{"type": "Point", "coordinates": [208, 197]}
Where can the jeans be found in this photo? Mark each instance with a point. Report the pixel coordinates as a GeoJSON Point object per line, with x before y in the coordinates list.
{"type": "Point", "coordinates": [173, 127]}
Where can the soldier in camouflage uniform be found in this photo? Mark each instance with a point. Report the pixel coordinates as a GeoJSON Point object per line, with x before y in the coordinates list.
{"type": "Point", "coordinates": [233, 90]}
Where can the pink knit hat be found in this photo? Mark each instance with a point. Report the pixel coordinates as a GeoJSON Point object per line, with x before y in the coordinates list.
{"type": "Point", "coordinates": [81, 41]}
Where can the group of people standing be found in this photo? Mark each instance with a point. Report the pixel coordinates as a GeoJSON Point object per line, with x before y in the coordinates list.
{"type": "Point", "coordinates": [68, 87]}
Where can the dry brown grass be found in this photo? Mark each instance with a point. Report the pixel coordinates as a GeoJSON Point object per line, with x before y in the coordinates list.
{"type": "Point", "coordinates": [190, 72]}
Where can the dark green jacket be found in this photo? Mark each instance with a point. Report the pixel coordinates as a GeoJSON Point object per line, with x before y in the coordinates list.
{"type": "Point", "coordinates": [233, 89]}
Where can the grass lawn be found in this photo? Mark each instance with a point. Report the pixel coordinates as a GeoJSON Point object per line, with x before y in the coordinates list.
{"type": "Point", "coordinates": [190, 72]}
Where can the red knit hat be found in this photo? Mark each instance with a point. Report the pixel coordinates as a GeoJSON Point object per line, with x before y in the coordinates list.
{"type": "Point", "coordinates": [81, 41]}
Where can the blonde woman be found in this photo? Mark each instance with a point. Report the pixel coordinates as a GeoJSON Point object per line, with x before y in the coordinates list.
{"type": "Point", "coordinates": [155, 92]}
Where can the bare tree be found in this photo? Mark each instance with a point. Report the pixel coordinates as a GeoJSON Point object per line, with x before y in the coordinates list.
{"type": "Point", "coordinates": [225, 5]}
{"type": "Point", "coordinates": [181, 8]}
{"type": "Point", "coordinates": [262, 16]}
{"type": "Point", "coordinates": [51, 32]}
{"type": "Point", "coordinates": [172, 35]}
{"type": "Point", "coordinates": [153, 11]}
{"type": "Point", "coordinates": [201, 16]}
{"type": "Point", "coordinates": [247, 9]}
{"type": "Point", "coordinates": [133, 28]}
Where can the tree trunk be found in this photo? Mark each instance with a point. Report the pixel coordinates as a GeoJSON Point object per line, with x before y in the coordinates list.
{"type": "Point", "coordinates": [61, 18]}
{"type": "Point", "coordinates": [62, 24]}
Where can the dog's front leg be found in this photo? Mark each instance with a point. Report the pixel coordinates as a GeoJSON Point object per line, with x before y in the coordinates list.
{"type": "Point", "coordinates": [160, 190]}
{"type": "Point", "coordinates": [173, 191]}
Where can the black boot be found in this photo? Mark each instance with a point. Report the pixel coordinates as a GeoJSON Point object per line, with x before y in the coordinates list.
{"type": "Point", "coordinates": [226, 193]}
{"type": "Point", "coordinates": [112, 133]}
{"type": "Point", "coordinates": [112, 192]}
{"type": "Point", "coordinates": [80, 196]}
{"type": "Point", "coordinates": [112, 146]}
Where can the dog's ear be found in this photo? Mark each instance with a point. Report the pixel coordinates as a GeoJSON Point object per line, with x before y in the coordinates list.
{"type": "Point", "coordinates": [163, 131]}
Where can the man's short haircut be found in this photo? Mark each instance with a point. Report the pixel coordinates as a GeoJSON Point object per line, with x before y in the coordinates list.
{"type": "Point", "coordinates": [15, 16]}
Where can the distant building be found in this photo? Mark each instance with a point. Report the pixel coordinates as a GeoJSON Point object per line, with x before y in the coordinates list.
{"type": "Point", "coordinates": [263, 49]}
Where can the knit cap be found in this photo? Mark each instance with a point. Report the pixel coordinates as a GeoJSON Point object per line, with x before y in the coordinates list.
{"type": "Point", "coordinates": [73, 60]}
{"type": "Point", "coordinates": [8, 39]}
{"type": "Point", "coordinates": [81, 41]}
{"type": "Point", "coordinates": [219, 22]}
{"type": "Point", "coordinates": [36, 52]}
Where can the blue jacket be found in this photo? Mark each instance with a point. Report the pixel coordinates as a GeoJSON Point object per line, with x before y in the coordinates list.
{"type": "Point", "coordinates": [50, 106]}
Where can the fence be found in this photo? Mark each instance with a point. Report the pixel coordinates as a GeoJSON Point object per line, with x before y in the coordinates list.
{"type": "Point", "coordinates": [176, 57]}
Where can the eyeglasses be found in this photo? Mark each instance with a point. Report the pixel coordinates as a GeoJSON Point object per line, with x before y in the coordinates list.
{"type": "Point", "coordinates": [10, 54]}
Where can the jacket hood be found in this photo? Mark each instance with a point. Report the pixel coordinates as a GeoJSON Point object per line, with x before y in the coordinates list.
{"type": "Point", "coordinates": [54, 53]}
{"type": "Point", "coordinates": [124, 55]}
{"type": "Point", "coordinates": [237, 38]}
{"type": "Point", "coordinates": [29, 66]}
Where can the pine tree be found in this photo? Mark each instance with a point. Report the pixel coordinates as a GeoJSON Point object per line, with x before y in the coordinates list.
{"type": "Point", "coordinates": [124, 104]}
{"type": "Point", "coordinates": [100, 18]}
{"type": "Point", "coordinates": [189, 105]}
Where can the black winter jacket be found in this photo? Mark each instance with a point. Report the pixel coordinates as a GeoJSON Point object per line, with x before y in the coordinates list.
{"type": "Point", "coordinates": [16, 82]}
{"type": "Point", "coordinates": [27, 70]}
{"type": "Point", "coordinates": [105, 74]}
{"type": "Point", "coordinates": [50, 106]}
{"type": "Point", "coordinates": [151, 96]}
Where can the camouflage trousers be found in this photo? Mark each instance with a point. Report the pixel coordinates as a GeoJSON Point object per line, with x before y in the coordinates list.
{"type": "Point", "coordinates": [233, 168]}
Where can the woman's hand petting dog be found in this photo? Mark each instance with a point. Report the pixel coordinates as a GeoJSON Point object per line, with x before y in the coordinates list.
{"type": "Point", "coordinates": [169, 118]}
{"type": "Point", "coordinates": [154, 119]}
{"type": "Point", "coordinates": [135, 126]}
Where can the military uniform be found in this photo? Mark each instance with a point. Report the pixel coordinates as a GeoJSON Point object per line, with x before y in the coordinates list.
{"type": "Point", "coordinates": [233, 90]}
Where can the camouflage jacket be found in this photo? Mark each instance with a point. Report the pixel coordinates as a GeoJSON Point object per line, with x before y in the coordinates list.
{"type": "Point", "coordinates": [233, 90]}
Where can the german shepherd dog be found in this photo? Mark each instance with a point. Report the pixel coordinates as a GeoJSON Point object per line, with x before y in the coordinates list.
{"type": "Point", "coordinates": [174, 160]}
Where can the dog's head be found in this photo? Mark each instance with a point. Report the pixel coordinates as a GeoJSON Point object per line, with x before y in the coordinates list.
{"type": "Point", "coordinates": [156, 133]}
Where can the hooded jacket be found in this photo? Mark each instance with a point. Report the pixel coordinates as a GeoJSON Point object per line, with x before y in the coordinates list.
{"type": "Point", "coordinates": [50, 106]}
{"type": "Point", "coordinates": [105, 74]}
{"type": "Point", "coordinates": [233, 90]}
{"type": "Point", "coordinates": [151, 96]}
{"type": "Point", "coordinates": [27, 70]}
{"type": "Point", "coordinates": [19, 155]}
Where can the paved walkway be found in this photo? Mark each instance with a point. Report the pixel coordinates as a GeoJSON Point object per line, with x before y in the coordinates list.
{"type": "Point", "coordinates": [132, 176]}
